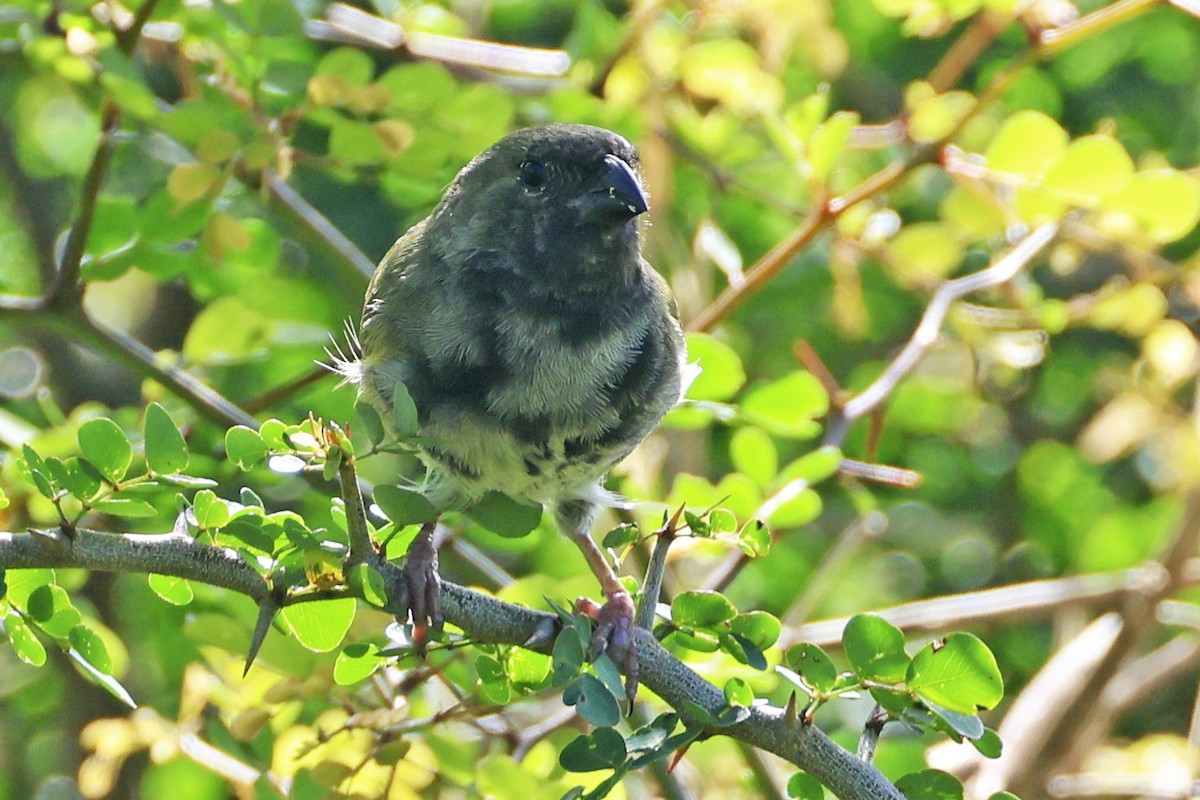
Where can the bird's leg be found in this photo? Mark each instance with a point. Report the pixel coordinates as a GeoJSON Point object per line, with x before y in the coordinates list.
{"type": "Point", "coordinates": [614, 620]}
{"type": "Point", "coordinates": [418, 592]}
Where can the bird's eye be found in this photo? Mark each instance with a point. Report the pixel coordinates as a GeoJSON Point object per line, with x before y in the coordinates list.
{"type": "Point", "coordinates": [533, 174]}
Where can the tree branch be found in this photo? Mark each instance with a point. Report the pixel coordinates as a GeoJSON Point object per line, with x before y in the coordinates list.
{"type": "Point", "coordinates": [930, 327]}
{"type": "Point", "coordinates": [482, 618]}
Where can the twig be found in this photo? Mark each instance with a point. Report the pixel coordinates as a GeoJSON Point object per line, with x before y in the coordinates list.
{"type": "Point", "coordinates": [965, 50]}
{"type": "Point", "coordinates": [872, 729]}
{"type": "Point", "coordinates": [655, 570]}
{"type": "Point", "coordinates": [127, 39]}
{"type": "Point", "coordinates": [362, 549]}
{"type": "Point", "coordinates": [289, 200]}
{"type": "Point", "coordinates": [724, 178]}
{"type": "Point", "coordinates": [271, 397]}
{"type": "Point", "coordinates": [1023, 601]}
{"type": "Point", "coordinates": [207, 402]}
{"type": "Point", "coordinates": [930, 326]}
{"type": "Point", "coordinates": [65, 289]}
{"type": "Point", "coordinates": [1082, 722]}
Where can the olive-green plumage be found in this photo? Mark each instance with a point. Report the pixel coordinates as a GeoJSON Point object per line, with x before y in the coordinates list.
{"type": "Point", "coordinates": [538, 345]}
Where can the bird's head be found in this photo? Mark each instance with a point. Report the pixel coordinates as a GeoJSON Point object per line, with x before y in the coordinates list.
{"type": "Point", "coordinates": [561, 200]}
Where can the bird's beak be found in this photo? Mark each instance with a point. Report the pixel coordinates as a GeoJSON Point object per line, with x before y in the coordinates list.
{"type": "Point", "coordinates": [618, 195]}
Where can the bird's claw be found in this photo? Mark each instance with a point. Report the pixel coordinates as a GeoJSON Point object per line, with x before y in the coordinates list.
{"type": "Point", "coordinates": [418, 592]}
{"type": "Point", "coordinates": [613, 635]}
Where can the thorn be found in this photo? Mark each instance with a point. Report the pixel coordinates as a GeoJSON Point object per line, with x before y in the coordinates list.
{"type": "Point", "coordinates": [266, 615]}
{"type": "Point", "coordinates": [543, 634]}
{"type": "Point", "coordinates": [679, 754]}
{"type": "Point", "coordinates": [789, 712]}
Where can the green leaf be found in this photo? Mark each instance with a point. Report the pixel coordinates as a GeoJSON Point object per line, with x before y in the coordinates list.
{"type": "Point", "coordinates": [126, 507]}
{"type": "Point", "coordinates": [101, 677]}
{"type": "Point", "coordinates": [188, 481]}
{"type": "Point", "coordinates": [1027, 144]}
{"type": "Point", "coordinates": [354, 143]}
{"type": "Point", "coordinates": [252, 531]}
{"type": "Point", "coordinates": [90, 647]}
{"type": "Point", "coordinates": [924, 253]}
{"type": "Point", "coordinates": [758, 627]}
{"type": "Point", "coordinates": [504, 516]}
{"type": "Point", "coordinates": [245, 446]}
{"type": "Point", "coordinates": [803, 786]}
{"type": "Point", "coordinates": [356, 662]}
{"type": "Point", "coordinates": [1164, 202]}
{"type": "Point", "coordinates": [960, 726]}
{"type": "Point", "coordinates": [828, 142]}
{"type": "Point", "coordinates": [371, 422]}
{"type": "Point", "coordinates": [721, 520]}
{"type": "Point", "coordinates": [593, 701]}
{"type": "Point", "coordinates": [367, 581]}
{"type": "Point", "coordinates": [24, 641]}
{"type": "Point", "coordinates": [603, 748]}
{"type": "Point", "coordinates": [819, 465]}
{"type": "Point", "coordinates": [404, 506]}
{"type": "Point", "coordinates": [274, 434]}
{"type": "Point", "coordinates": [606, 670]}
{"type": "Point", "coordinates": [568, 656]}
{"type": "Point", "coordinates": [319, 626]}
{"type": "Point", "coordinates": [930, 784]}
{"type": "Point", "coordinates": [175, 590]}
{"type": "Point", "coordinates": [1093, 167]}
{"type": "Point", "coordinates": [744, 650]}
{"type": "Point", "coordinates": [875, 649]}
{"type": "Point", "coordinates": [795, 505]}
{"type": "Point", "coordinates": [77, 476]}
{"type": "Point", "coordinates": [404, 412]}
{"type": "Point", "coordinates": [38, 471]}
{"type": "Point", "coordinates": [166, 451]}
{"type": "Point", "coordinates": [738, 693]}
{"type": "Point", "coordinates": [50, 607]}
{"type": "Point", "coordinates": [721, 371]}
{"type": "Point", "coordinates": [989, 744]}
{"type": "Point", "coordinates": [24, 582]}
{"type": "Point", "coordinates": [727, 70]}
{"type": "Point", "coordinates": [653, 734]}
{"type": "Point", "coordinates": [105, 445]}
{"type": "Point", "coordinates": [211, 511]}
{"type": "Point", "coordinates": [351, 64]}
{"type": "Point", "coordinates": [621, 536]}
{"type": "Point", "coordinates": [755, 538]}
{"type": "Point", "coordinates": [701, 609]}
{"type": "Point", "coordinates": [958, 673]}
{"type": "Point", "coordinates": [814, 665]}
{"type": "Point", "coordinates": [788, 406]}
{"type": "Point", "coordinates": [753, 453]}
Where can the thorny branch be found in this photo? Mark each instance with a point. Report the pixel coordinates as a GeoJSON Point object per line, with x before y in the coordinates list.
{"type": "Point", "coordinates": [483, 619]}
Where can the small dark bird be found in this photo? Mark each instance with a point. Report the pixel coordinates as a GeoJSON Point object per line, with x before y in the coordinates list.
{"type": "Point", "coordinates": [537, 344]}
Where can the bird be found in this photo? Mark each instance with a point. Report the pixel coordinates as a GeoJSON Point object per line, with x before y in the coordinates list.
{"type": "Point", "coordinates": [537, 344]}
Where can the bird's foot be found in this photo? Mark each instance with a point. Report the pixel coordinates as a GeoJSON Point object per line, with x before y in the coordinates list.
{"type": "Point", "coordinates": [613, 635]}
{"type": "Point", "coordinates": [418, 592]}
